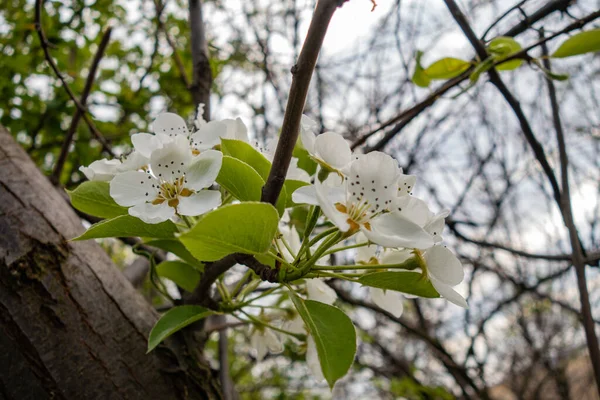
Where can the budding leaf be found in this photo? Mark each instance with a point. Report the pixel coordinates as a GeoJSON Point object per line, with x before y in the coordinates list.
{"type": "Point", "coordinates": [584, 42]}
{"type": "Point", "coordinates": [128, 226]}
{"type": "Point", "coordinates": [173, 320]}
{"type": "Point", "coordinates": [419, 77]}
{"type": "Point", "coordinates": [334, 336]}
{"type": "Point", "coordinates": [236, 228]}
{"type": "Point", "coordinates": [240, 179]}
{"type": "Point", "coordinates": [93, 198]}
{"type": "Point", "coordinates": [183, 274]}
{"type": "Point", "coordinates": [503, 47]}
{"type": "Point", "coordinates": [406, 282]}
{"type": "Point", "coordinates": [446, 68]}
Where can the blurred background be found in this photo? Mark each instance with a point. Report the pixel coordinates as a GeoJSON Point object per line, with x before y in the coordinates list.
{"type": "Point", "coordinates": [522, 337]}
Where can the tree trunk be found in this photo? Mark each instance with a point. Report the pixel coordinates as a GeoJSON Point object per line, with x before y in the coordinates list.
{"type": "Point", "coordinates": [71, 325]}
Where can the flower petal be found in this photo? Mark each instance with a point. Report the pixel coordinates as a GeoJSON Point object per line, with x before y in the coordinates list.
{"type": "Point", "coordinates": [392, 230]}
{"type": "Point", "coordinates": [257, 341]}
{"type": "Point", "coordinates": [297, 173]}
{"type": "Point", "coordinates": [395, 256]}
{"type": "Point", "coordinates": [204, 169]}
{"type": "Point", "coordinates": [209, 135]}
{"type": "Point", "coordinates": [388, 300]}
{"type": "Point", "coordinates": [101, 170]}
{"type": "Point", "coordinates": [406, 184]}
{"type": "Point", "coordinates": [133, 187]}
{"type": "Point", "coordinates": [413, 209]}
{"type": "Point", "coordinates": [308, 127]}
{"type": "Point", "coordinates": [152, 214]}
{"type": "Point", "coordinates": [448, 293]}
{"type": "Point", "coordinates": [320, 291]}
{"type": "Point", "coordinates": [134, 161]}
{"type": "Point", "coordinates": [170, 124]}
{"type": "Point", "coordinates": [199, 203]}
{"type": "Point", "coordinates": [169, 162]}
{"type": "Point", "coordinates": [236, 129]}
{"type": "Point", "coordinates": [273, 343]}
{"type": "Point", "coordinates": [145, 143]}
{"type": "Point", "coordinates": [328, 207]}
{"type": "Point", "coordinates": [333, 149]}
{"type": "Point", "coordinates": [312, 359]}
{"type": "Point", "coordinates": [435, 226]}
{"type": "Point", "coordinates": [372, 179]}
{"type": "Point", "coordinates": [444, 266]}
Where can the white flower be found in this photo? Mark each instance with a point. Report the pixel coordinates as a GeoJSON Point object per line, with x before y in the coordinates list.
{"type": "Point", "coordinates": [294, 172]}
{"type": "Point", "coordinates": [312, 359]}
{"type": "Point", "coordinates": [265, 341]}
{"type": "Point", "coordinates": [444, 271]}
{"type": "Point", "coordinates": [173, 184]}
{"type": "Point", "coordinates": [417, 211]}
{"type": "Point", "coordinates": [330, 150]}
{"type": "Point", "coordinates": [101, 170]}
{"type": "Point", "coordinates": [367, 203]}
{"type": "Point", "coordinates": [320, 291]}
{"type": "Point", "coordinates": [199, 121]}
{"type": "Point", "coordinates": [389, 300]}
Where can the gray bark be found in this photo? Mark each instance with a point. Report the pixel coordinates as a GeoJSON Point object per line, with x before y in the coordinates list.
{"type": "Point", "coordinates": [71, 325]}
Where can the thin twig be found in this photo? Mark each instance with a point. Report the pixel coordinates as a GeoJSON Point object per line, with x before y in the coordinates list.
{"type": "Point", "coordinates": [202, 75]}
{"type": "Point", "coordinates": [64, 151]}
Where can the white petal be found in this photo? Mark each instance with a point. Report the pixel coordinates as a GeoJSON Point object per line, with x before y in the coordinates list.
{"type": "Point", "coordinates": [413, 209]}
{"type": "Point", "coordinates": [204, 169]}
{"type": "Point", "coordinates": [448, 293]}
{"type": "Point", "coordinates": [320, 291]}
{"type": "Point", "coordinates": [101, 170]}
{"type": "Point", "coordinates": [388, 300]}
{"type": "Point", "coordinates": [199, 121]}
{"type": "Point", "coordinates": [372, 179]}
{"type": "Point", "coordinates": [435, 226]}
{"type": "Point", "coordinates": [199, 203]}
{"type": "Point", "coordinates": [258, 342]}
{"type": "Point", "coordinates": [306, 195]}
{"type": "Point", "coordinates": [272, 341]}
{"type": "Point", "coordinates": [209, 135]}
{"type": "Point", "coordinates": [333, 149]}
{"type": "Point", "coordinates": [169, 162]}
{"type": "Point", "coordinates": [152, 214]}
{"type": "Point", "coordinates": [365, 253]}
{"type": "Point", "coordinates": [133, 162]}
{"type": "Point", "coordinates": [444, 266]}
{"type": "Point", "coordinates": [170, 124]}
{"type": "Point", "coordinates": [297, 173]}
{"type": "Point", "coordinates": [307, 136]}
{"type": "Point", "coordinates": [146, 143]}
{"type": "Point", "coordinates": [312, 359]}
{"type": "Point", "coordinates": [391, 230]}
{"type": "Point", "coordinates": [406, 184]}
{"type": "Point", "coordinates": [328, 207]}
{"type": "Point", "coordinates": [236, 129]}
{"type": "Point", "coordinates": [395, 256]}
{"type": "Point", "coordinates": [133, 187]}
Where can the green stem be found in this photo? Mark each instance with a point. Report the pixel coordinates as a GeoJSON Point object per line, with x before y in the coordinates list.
{"type": "Point", "coordinates": [353, 246]}
{"type": "Point", "coordinates": [187, 221]}
{"type": "Point", "coordinates": [408, 265]}
{"type": "Point", "coordinates": [306, 245]}
{"type": "Point", "coordinates": [257, 321]}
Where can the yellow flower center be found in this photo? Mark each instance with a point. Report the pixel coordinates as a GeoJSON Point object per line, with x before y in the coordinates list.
{"type": "Point", "coordinates": [171, 191]}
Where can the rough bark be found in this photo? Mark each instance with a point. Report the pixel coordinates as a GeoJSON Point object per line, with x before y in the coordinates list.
{"type": "Point", "coordinates": [71, 325]}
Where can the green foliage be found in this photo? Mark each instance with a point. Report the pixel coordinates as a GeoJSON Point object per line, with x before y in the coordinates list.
{"type": "Point", "coordinates": [176, 247]}
{"type": "Point", "coordinates": [93, 198]}
{"type": "Point", "coordinates": [243, 228]}
{"type": "Point", "coordinates": [446, 68]}
{"type": "Point", "coordinates": [581, 43]}
{"type": "Point", "coordinates": [173, 320]}
{"type": "Point", "coordinates": [183, 274]}
{"type": "Point", "coordinates": [409, 389]}
{"type": "Point", "coordinates": [240, 179]}
{"type": "Point", "coordinates": [290, 186]}
{"type": "Point", "coordinates": [406, 282]}
{"type": "Point", "coordinates": [128, 226]}
{"type": "Point", "coordinates": [419, 77]}
{"type": "Point", "coordinates": [503, 47]}
{"type": "Point", "coordinates": [334, 336]}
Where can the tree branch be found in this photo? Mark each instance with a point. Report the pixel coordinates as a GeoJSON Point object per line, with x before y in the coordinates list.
{"type": "Point", "coordinates": [202, 75]}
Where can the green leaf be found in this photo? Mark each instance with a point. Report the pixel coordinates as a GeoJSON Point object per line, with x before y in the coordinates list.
{"type": "Point", "coordinates": [240, 179]}
{"type": "Point", "coordinates": [176, 247]}
{"type": "Point", "coordinates": [236, 228]}
{"type": "Point", "coordinates": [584, 42]}
{"type": "Point", "coordinates": [290, 186]}
{"type": "Point", "coordinates": [405, 282]}
{"type": "Point", "coordinates": [181, 273]}
{"type": "Point", "coordinates": [173, 320]}
{"type": "Point", "coordinates": [503, 47]}
{"type": "Point", "coordinates": [480, 68]}
{"type": "Point", "coordinates": [245, 152]}
{"type": "Point", "coordinates": [128, 226]}
{"type": "Point", "coordinates": [334, 336]}
{"type": "Point", "coordinates": [447, 68]}
{"type": "Point", "coordinates": [93, 198]}
{"type": "Point", "coordinates": [304, 160]}
{"type": "Point", "coordinates": [419, 77]}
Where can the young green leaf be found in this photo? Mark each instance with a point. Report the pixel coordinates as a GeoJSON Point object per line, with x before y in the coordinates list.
{"type": "Point", "coordinates": [447, 68]}
{"type": "Point", "coordinates": [128, 226]}
{"type": "Point", "coordinates": [240, 179]}
{"type": "Point", "coordinates": [93, 198]}
{"type": "Point", "coordinates": [503, 47]}
{"type": "Point", "coordinates": [405, 282]}
{"type": "Point", "coordinates": [304, 160]}
{"type": "Point", "coordinates": [183, 274]}
{"type": "Point", "coordinates": [248, 154]}
{"type": "Point", "coordinates": [173, 320]}
{"type": "Point", "coordinates": [419, 77]}
{"type": "Point", "coordinates": [584, 42]}
{"type": "Point", "coordinates": [236, 228]}
{"type": "Point", "coordinates": [176, 247]}
{"type": "Point", "coordinates": [334, 336]}
{"type": "Point", "coordinates": [290, 186]}
{"type": "Point", "coordinates": [480, 68]}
